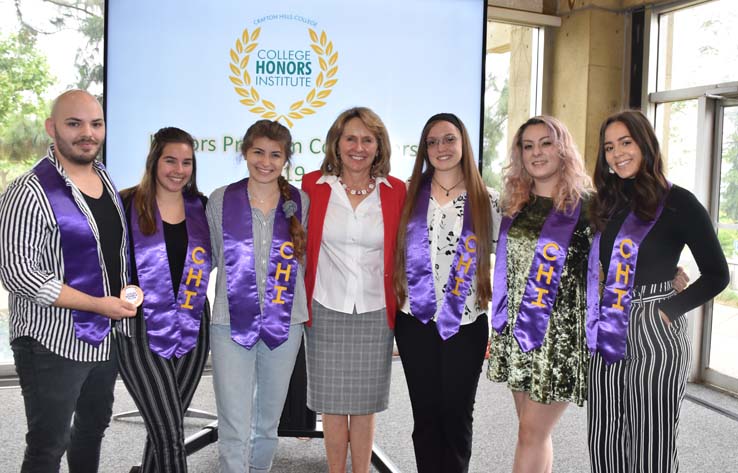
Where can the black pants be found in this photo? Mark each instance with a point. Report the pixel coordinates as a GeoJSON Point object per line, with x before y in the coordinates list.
{"type": "Point", "coordinates": [162, 390]}
{"type": "Point", "coordinates": [442, 378]}
{"type": "Point", "coordinates": [54, 388]}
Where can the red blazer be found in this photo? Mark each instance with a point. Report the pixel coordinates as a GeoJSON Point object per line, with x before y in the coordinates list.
{"type": "Point", "coordinates": [391, 198]}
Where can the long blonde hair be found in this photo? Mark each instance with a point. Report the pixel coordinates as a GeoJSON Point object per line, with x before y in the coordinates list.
{"type": "Point", "coordinates": [518, 184]}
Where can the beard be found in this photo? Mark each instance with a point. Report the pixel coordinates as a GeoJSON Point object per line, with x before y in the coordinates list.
{"type": "Point", "coordinates": [77, 156]}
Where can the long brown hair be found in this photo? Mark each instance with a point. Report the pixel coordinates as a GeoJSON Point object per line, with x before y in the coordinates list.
{"type": "Point", "coordinates": [144, 194]}
{"type": "Point", "coordinates": [332, 162]}
{"type": "Point", "coordinates": [275, 131]}
{"type": "Point", "coordinates": [573, 181]}
{"type": "Point", "coordinates": [478, 203]}
{"type": "Point", "coordinates": [649, 184]}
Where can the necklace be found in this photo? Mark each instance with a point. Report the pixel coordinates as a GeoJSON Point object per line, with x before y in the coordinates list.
{"type": "Point", "coordinates": [364, 191]}
{"type": "Point", "coordinates": [260, 200]}
{"type": "Point", "coordinates": [449, 189]}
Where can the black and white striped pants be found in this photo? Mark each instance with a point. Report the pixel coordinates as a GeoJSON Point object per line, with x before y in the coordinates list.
{"type": "Point", "coordinates": [633, 405]}
{"type": "Point", "coordinates": [162, 390]}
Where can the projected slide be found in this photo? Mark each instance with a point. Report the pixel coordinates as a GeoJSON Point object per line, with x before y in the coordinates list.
{"type": "Point", "coordinates": [213, 68]}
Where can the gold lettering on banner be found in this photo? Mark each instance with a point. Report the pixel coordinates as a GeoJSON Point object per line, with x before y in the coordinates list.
{"type": "Point", "coordinates": [541, 293]}
{"type": "Point", "coordinates": [197, 259]}
{"type": "Point", "coordinates": [545, 251]}
{"type": "Point", "coordinates": [620, 293]}
{"type": "Point", "coordinates": [278, 298]}
{"type": "Point", "coordinates": [191, 276]}
{"type": "Point", "coordinates": [471, 246]}
{"type": "Point", "coordinates": [189, 295]}
{"type": "Point", "coordinates": [281, 271]}
{"type": "Point", "coordinates": [622, 272]}
{"type": "Point", "coordinates": [626, 251]}
{"type": "Point", "coordinates": [548, 273]}
{"type": "Point", "coordinates": [198, 249]}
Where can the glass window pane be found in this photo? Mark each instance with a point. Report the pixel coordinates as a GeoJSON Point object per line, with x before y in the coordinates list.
{"type": "Point", "coordinates": [724, 338]}
{"type": "Point", "coordinates": [697, 45]}
{"type": "Point", "coordinates": [676, 128]}
{"type": "Point", "coordinates": [6, 355]}
{"type": "Point", "coordinates": [52, 46]}
{"type": "Point", "coordinates": [509, 89]}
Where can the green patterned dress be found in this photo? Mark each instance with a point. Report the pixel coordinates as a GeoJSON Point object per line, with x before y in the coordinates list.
{"type": "Point", "coordinates": [557, 371]}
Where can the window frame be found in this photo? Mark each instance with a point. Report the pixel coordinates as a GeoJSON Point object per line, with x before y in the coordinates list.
{"type": "Point", "coordinates": [710, 99]}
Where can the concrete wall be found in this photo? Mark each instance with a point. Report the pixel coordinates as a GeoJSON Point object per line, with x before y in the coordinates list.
{"type": "Point", "coordinates": [586, 74]}
{"type": "Point", "coordinates": [590, 57]}
{"type": "Point", "coordinates": [527, 5]}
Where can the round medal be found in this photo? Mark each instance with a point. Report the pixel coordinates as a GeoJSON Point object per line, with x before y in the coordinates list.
{"type": "Point", "coordinates": [133, 294]}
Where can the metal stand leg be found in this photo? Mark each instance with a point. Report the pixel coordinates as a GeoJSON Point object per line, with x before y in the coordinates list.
{"type": "Point", "coordinates": [192, 413]}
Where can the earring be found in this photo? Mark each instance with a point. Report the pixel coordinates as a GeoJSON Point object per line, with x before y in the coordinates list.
{"type": "Point", "coordinates": [609, 170]}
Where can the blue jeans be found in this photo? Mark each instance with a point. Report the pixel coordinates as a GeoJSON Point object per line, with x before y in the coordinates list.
{"type": "Point", "coordinates": [54, 388]}
{"type": "Point", "coordinates": [247, 381]}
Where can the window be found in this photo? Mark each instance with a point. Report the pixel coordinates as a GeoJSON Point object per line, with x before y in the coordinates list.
{"type": "Point", "coordinates": [694, 85]}
{"type": "Point", "coordinates": [45, 47]}
{"type": "Point", "coordinates": [697, 45]}
{"type": "Point", "coordinates": [512, 90]}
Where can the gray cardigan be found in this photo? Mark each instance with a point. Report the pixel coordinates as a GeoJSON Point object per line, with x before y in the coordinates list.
{"type": "Point", "coordinates": [262, 228]}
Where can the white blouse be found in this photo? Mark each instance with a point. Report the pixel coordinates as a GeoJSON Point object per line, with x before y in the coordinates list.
{"type": "Point", "coordinates": [444, 228]}
{"type": "Point", "coordinates": [350, 271]}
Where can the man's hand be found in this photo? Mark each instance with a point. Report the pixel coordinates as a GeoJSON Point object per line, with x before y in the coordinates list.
{"type": "Point", "coordinates": [115, 308]}
{"type": "Point", "coordinates": [107, 306]}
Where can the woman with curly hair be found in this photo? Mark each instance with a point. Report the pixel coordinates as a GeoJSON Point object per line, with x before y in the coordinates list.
{"type": "Point", "coordinates": [539, 296]}
{"type": "Point", "coordinates": [257, 228]}
{"type": "Point", "coordinates": [638, 331]}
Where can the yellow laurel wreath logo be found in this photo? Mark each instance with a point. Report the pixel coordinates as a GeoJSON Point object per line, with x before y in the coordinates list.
{"type": "Point", "coordinates": [241, 79]}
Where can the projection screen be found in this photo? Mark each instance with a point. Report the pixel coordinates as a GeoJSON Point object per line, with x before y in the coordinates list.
{"type": "Point", "coordinates": [213, 68]}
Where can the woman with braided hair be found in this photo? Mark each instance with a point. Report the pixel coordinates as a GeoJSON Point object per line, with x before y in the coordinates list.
{"type": "Point", "coordinates": [257, 228]}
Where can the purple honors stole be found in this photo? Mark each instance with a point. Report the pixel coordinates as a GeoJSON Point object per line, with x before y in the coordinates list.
{"type": "Point", "coordinates": [420, 286]}
{"type": "Point", "coordinates": [543, 279]}
{"type": "Point", "coordinates": [248, 322]}
{"type": "Point", "coordinates": [173, 323]}
{"type": "Point", "coordinates": [607, 321]}
{"type": "Point", "coordinates": [82, 267]}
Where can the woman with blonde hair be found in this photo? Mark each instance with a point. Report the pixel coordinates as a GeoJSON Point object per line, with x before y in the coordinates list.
{"type": "Point", "coordinates": [257, 228]}
{"type": "Point", "coordinates": [540, 293]}
{"type": "Point", "coordinates": [353, 222]}
{"type": "Point", "coordinates": [443, 286]}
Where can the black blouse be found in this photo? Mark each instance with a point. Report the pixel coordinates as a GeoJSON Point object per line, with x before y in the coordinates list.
{"type": "Point", "coordinates": [683, 221]}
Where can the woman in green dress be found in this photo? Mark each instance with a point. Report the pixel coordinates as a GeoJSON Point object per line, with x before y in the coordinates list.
{"type": "Point", "coordinates": [539, 295]}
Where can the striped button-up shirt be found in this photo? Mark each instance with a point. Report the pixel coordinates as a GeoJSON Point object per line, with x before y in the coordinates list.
{"type": "Point", "coordinates": [32, 264]}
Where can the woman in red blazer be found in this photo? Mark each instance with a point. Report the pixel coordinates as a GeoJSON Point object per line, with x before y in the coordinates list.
{"type": "Point", "coordinates": [353, 222]}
